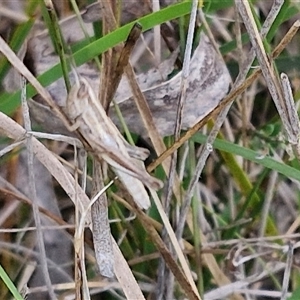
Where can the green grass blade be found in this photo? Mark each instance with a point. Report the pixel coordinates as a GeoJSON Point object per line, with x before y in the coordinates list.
{"type": "Point", "coordinates": [8, 103]}
{"type": "Point", "coordinates": [251, 155]}
{"type": "Point", "coordinates": [7, 281]}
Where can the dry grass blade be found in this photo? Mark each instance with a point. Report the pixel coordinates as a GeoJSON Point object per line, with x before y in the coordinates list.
{"type": "Point", "coordinates": [175, 244]}
{"type": "Point", "coordinates": [89, 117]}
{"type": "Point", "coordinates": [207, 147]}
{"type": "Point", "coordinates": [215, 233]}
{"type": "Point", "coordinates": [13, 130]}
{"type": "Point", "coordinates": [151, 129]}
{"type": "Point", "coordinates": [101, 229]}
{"type": "Point", "coordinates": [157, 34]}
{"type": "Point", "coordinates": [10, 147]}
{"type": "Point", "coordinates": [109, 58]}
{"type": "Point", "coordinates": [32, 185]}
{"type": "Point", "coordinates": [149, 123]}
{"type": "Point", "coordinates": [11, 191]}
{"type": "Point", "coordinates": [147, 223]}
{"type": "Point", "coordinates": [167, 282]}
{"type": "Point", "coordinates": [161, 94]}
{"type": "Point", "coordinates": [105, 261]}
{"type": "Point", "coordinates": [22, 69]}
{"type": "Point", "coordinates": [80, 277]}
{"type": "Point", "coordinates": [290, 120]}
{"type": "Point", "coordinates": [230, 97]}
{"type": "Point", "coordinates": [221, 279]}
{"type": "Point", "coordinates": [130, 286]}
{"type": "Point", "coordinates": [185, 69]}
{"type": "Point", "coordinates": [123, 60]}
{"type": "Point", "coordinates": [141, 102]}
{"type": "Point", "coordinates": [146, 116]}
{"type": "Point", "coordinates": [287, 271]}
{"type": "Point", "coordinates": [282, 97]}
{"type": "Point", "coordinates": [240, 285]}
{"type": "Point", "coordinates": [263, 32]}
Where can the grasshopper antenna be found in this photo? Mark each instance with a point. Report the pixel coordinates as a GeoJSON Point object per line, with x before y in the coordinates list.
{"type": "Point", "coordinates": [72, 65]}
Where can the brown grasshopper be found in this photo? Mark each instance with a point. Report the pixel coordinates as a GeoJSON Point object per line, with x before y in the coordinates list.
{"type": "Point", "coordinates": [89, 117]}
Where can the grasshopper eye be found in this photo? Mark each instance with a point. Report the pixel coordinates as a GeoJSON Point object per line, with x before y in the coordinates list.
{"type": "Point", "coordinates": [82, 91]}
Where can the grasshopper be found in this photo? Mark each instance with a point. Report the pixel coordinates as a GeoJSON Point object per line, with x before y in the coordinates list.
{"type": "Point", "coordinates": [107, 143]}
{"type": "Point", "coordinates": [88, 116]}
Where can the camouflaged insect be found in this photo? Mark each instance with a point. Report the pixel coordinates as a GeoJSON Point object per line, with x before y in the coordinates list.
{"type": "Point", "coordinates": [89, 117]}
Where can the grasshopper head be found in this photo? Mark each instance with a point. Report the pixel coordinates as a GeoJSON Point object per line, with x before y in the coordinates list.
{"type": "Point", "coordinates": [77, 101]}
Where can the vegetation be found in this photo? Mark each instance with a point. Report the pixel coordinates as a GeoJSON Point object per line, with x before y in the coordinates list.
{"type": "Point", "coordinates": [225, 226]}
